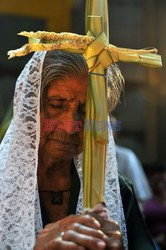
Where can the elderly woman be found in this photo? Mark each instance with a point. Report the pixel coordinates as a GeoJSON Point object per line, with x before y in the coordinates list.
{"type": "Point", "coordinates": [41, 172]}
{"type": "Point", "coordinates": [63, 97]}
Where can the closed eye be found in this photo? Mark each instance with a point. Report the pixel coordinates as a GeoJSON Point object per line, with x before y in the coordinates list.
{"type": "Point", "coordinates": [58, 106]}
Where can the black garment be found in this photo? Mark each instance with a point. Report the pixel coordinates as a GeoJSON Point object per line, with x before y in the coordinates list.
{"type": "Point", "coordinates": [138, 235]}
{"type": "Point", "coordinates": [137, 232]}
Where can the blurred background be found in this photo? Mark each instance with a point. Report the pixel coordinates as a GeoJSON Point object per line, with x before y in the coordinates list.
{"type": "Point", "coordinates": [133, 24]}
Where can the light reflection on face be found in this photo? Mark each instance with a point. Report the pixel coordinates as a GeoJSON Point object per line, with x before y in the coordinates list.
{"type": "Point", "coordinates": [64, 106]}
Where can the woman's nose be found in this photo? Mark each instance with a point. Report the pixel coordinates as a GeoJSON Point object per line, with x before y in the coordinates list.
{"type": "Point", "coordinates": [72, 123]}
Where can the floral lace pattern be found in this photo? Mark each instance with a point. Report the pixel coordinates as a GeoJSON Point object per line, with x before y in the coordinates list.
{"type": "Point", "coordinates": [19, 226]}
{"type": "Point", "coordinates": [18, 157]}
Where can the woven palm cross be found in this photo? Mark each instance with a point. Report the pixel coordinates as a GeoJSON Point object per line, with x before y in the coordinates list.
{"type": "Point", "coordinates": [99, 55]}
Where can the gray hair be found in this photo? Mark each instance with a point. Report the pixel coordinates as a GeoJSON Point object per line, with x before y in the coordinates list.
{"type": "Point", "coordinates": [58, 65]}
{"type": "Point", "coordinates": [115, 86]}
{"type": "Point", "coordinates": [61, 64]}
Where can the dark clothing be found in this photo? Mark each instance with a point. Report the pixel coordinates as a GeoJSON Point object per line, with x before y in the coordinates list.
{"type": "Point", "coordinates": [138, 236]}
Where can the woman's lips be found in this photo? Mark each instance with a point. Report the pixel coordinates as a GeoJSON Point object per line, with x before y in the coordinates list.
{"type": "Point", "coordinates": [63, 144]}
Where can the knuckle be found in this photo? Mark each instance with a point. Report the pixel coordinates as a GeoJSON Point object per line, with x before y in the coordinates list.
{"type": "Point", "coordinates": [114, 226]}
{"type": "Point", "coordinates": [105, 210]}
{"type": "Point", "coordinates": [68, 234]}
{"type": "Point", "coordinates": [115, 234]}
{"type": "Point", "coordinates": [118, 234]}
{"type": "Point", "coordinates": [100, 232]}
{"type": "Point", "coordinates": [87, 216]}
{"type": "Point", "coordinates": [75, 226]}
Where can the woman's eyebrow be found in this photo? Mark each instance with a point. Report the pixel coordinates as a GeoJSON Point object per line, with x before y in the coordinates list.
{"type": "Point", "coordinates": [56, 97]}
{"type": "Point", "coordinates": [59, 98]}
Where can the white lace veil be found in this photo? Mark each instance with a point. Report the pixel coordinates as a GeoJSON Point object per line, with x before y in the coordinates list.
{"type": "Point", "coordinates": [20, 215]}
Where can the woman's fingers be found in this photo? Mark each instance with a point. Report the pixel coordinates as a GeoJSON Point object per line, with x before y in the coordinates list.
{"type": "Point", "coordinates": [56, 244]}
{"type": "Point", "coordinates": [63, 224]}
{"type": "Point", "coordinates": [100, 206]}
{"type": "Point", "coordinates": [100, 209]}
{"type": "Point", "coordinates": [87, 241]}
{"type": "Point", "coordinates": [76, 237]}
{"type": "Point", "coordinates": [88, 231]}
{"type": "Point", "coordinates": [85, 219]}
{"type": "Point", "coordinates": [79, 233]}
{"type": "Point", "coordinates": [62, 245]}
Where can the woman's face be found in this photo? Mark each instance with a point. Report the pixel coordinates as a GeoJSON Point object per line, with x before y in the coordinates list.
{"type": "Point", "coordinates": [62, 118]}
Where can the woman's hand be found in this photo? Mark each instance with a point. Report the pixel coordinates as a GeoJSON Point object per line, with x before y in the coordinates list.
{"type": "Point", "coordinates": [79, 233]}
{"type": "Point", "coordinates": [108, 227]}
{"type": "Point", "coordinates": [92, 231]}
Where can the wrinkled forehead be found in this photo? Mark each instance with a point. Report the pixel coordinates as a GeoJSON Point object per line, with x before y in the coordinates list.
{"type": "Point", "coordinates": [68, 89]}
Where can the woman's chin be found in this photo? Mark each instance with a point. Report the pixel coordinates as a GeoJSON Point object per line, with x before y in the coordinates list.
{"type": "Point", "coordinates": [61, 152]}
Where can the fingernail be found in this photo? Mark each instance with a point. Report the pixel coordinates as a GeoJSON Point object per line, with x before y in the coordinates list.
{"type": "Point", "coordinates": [101, 244]}
{"type": "Point", "coordinates": [96, 222]}
{"type": "Point", "coordinates": [105, 237]}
